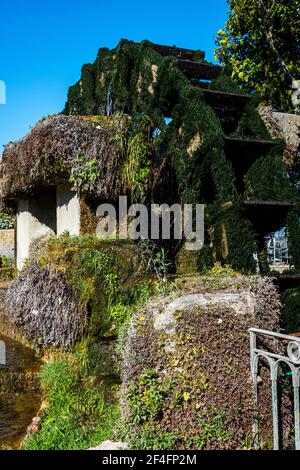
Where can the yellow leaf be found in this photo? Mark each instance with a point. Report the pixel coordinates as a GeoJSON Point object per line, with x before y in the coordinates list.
{"type": "Point", "coordinates": [175, 362]}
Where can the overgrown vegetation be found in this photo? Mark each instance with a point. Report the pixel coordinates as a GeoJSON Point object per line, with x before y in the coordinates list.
{"type": "Point", "coordinates": [82, 410]}
{"type": "Point", "coordinates": [186, 160]}
{"type": "Point", "coordinates": [184, 385]}
{"type": "Point", "coordinates": [7, 220]}
{"type": "Point", "coordinates": [137, 80]}
{"type": "Point", "coordinates": [290, 316]}
{"type": "Point", "coordinates": [78, 286]}
{"type": "Point", "coordinates": [84, 288]}
{"type": "Point", "coordinates": [267, 180]}
{"type": "Point", "coordinates": [94, 288]}
{"type": "Point", "coordinates": [260, 44]}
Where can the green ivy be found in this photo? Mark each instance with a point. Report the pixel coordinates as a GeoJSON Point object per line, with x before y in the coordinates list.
{"type": "Point", "coordinates": [7, 220]}
{"type": "Point", "coordinates": [84, 173]}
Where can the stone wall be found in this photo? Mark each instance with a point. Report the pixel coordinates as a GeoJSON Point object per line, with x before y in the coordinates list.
{"type": "Point", "coordinates": [284, 126]}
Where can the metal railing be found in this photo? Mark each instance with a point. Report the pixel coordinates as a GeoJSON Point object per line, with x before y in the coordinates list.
{"type": "Point", "coordinates": [292, 360]}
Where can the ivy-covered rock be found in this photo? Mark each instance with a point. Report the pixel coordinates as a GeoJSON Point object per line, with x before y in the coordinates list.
{"type": "Point", "coordinates": [75, 287]}
{"type": "Point", "coordinates": [186, 379]}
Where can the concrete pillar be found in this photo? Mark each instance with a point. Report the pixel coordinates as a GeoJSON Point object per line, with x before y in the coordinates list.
{"type": "Point", "coordinates": [36, 218]}
{"type": "Point", "coordinates": [67, 210]}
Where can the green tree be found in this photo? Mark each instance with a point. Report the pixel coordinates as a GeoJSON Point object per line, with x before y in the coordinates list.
{"type": "Point", "coordinates": [261, 44]}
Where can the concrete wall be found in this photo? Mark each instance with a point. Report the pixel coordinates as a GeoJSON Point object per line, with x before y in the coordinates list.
{"type": "Point", "coordinates": [7, 243]}
{"type": "Point", "coordinates": [67, 210]}
{"type": "Point", "coordinates": [36, 218]}
{"type": "Point", "coordinates": [49, 213]}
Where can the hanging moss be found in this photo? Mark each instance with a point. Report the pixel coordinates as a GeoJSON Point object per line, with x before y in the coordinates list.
{"type": "Point", "coordinates": [234, 238]}
{"type": "Point", "coordinates": [251, 123]}
{"type": "Point", "coordinates": [225, 83]}
{"type": "Point", "coordinates": [290, 316]}
{"type": "Point", "coordinates": [196, 141]}
{"type": "Point", "coordinates": [267, 180]}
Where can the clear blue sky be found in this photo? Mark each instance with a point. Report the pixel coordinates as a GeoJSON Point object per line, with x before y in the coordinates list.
{"type": "Point", "coordinates": [43, 45]}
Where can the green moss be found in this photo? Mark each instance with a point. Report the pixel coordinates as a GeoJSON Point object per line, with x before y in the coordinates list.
{"type": "Point", "coordinates": [268, 180]}
{"type": "Point", "coordinates": [232, 237]}
{"type": "Point", "coordinates": [290, 317]}
{"type": "Point", "coordinates": [226, 84]}
{"type": "Point", "coordinates": [293, 233]}
{"type": "Point", "coordinates": [251, 124]}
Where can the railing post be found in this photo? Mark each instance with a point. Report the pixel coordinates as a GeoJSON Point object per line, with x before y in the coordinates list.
{"type": "Point", "coordinates": [296, 380]}
{"type": "Point", "coordinates": [292, 359]}
{"type": "Point", "coordinates": [255, 427]}
{"type": "Point", "coordinates": [275, 406]}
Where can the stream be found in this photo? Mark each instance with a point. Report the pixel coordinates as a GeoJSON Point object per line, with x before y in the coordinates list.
{"type": "Point", "coordinates": [20, 397]}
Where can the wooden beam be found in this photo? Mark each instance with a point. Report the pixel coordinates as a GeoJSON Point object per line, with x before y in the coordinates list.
{"type": "Point", "coordinates": [224, 100]}
{"type": "Point", "coordinates": [179, 52]}
{"type": "Point", "coordinates": [199, 70]}
{"type": "Point", "coordinates": [280, 204]}
{"type": "Point", "coordinates": [287, 281]}
{"type": "Point", "coordinates": [267, 216]}
{"type": "Point", "coordinates": [245, 141]}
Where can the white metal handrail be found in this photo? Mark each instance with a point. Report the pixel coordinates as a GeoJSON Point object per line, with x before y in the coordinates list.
{"type": "Point", "coordinates": [292, 360]}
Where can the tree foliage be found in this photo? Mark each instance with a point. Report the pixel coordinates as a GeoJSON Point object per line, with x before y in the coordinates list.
{"type": "Point", "coordinates": [260, 43]}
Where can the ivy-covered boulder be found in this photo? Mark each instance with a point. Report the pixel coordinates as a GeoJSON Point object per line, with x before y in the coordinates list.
{"type": "Point", "coordinates": [74, 288]}
{"type": "Point", "coordinates": [186, 378]}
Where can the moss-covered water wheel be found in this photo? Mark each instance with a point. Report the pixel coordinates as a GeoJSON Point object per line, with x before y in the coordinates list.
{"type": "Point", "coordinates": [212, 149]}
{"type": "Point", "coordinates": [212, 144]}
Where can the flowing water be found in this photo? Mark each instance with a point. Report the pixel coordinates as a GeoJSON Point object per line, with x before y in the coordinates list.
{"type": "Point", "coordinates": [20, 396]}
{"type": "Point", "coordinates": [109, 104]}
